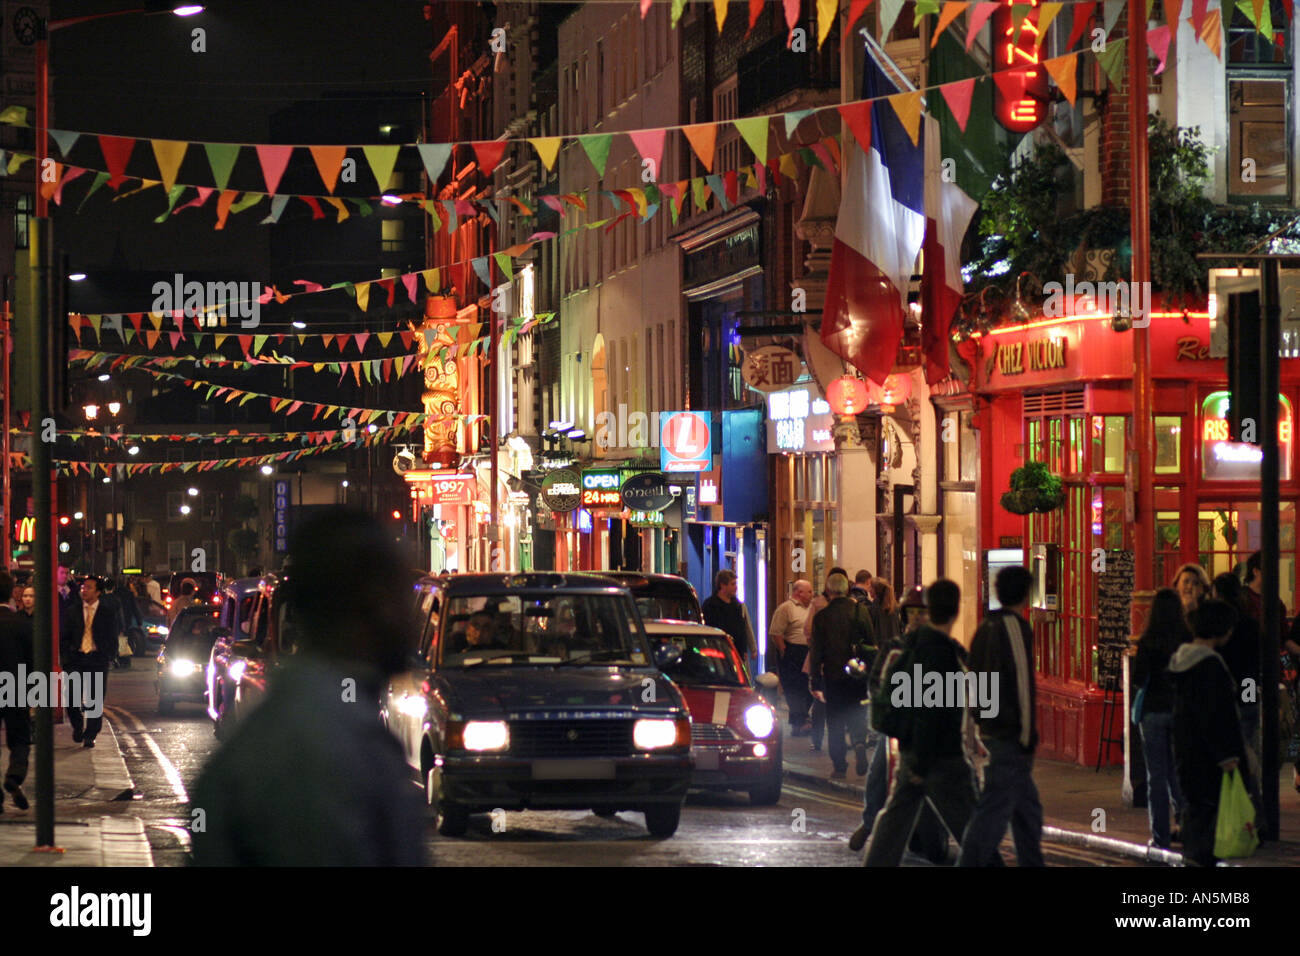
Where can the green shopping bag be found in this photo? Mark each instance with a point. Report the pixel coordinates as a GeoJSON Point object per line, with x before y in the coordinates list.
{"type": "Point", "coordinates": [1234, 830]}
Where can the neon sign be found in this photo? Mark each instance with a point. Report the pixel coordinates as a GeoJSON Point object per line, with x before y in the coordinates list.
{"type": "Point", "coordinates": [1222, 459]}
{"type": "Point", "coordinates": [1012, 54]}
{"type": "Point", "coordinates": [25, 530]}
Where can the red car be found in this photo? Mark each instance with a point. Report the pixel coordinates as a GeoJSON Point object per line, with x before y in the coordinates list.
{"type": "Point", "coordinates": [735, 733]}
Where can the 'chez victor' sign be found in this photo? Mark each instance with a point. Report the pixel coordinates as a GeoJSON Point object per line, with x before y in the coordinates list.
{"type": "Point", "coordinates": [1034, 355]}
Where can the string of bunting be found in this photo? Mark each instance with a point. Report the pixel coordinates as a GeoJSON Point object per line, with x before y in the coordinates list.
{"type": "Point", "coordinates": [372, 369]}
{"type": "Point", "coordinates": [380, 435]}
{"type": "Point", "coordinates": [333, 163]}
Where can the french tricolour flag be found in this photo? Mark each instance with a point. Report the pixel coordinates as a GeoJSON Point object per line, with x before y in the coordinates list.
{"type": "Point", "coordinates": [878, 235]}
{"type": "Point", "coordinates": [948, 212]}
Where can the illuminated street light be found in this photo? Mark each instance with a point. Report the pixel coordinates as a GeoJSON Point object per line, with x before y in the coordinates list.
{"type": "Point", "coordinates": [194, 492]}
{"type": "Point", "coordinates": [77, 277]}
{"type": "Point", "coordinates": [105, 377]}
{"type": "Point", "coordinates": [267, 469]}
{"type": "Point", "coordinates": [77, 515]}
{"type": "Point", "coordinates": [185, 509]}
{"type": "Point", "coordinates": [133, 450]}
{"type": "Point", "coordinates": [297, 324]}
{"type": "Point", "coordinates": [92, 412]}
{"type": "Point", "coordinates": [188, 10]}
{"type": "Point", "coordinates": [390, 200]}
{"type": "Point", "coordinates": [114, 407]}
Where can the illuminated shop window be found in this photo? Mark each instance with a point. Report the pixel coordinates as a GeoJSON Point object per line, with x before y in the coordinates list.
{"type": "Point", "coordinates": [1108, 443]}
{"type": "Point", "coordinates": [1225, 460]}
{"type": "Point", "coordinates": [1169, 430]}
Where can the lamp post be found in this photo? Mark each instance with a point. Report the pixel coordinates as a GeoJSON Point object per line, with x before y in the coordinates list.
{"type": "Point", "coordinates": [40, 355]}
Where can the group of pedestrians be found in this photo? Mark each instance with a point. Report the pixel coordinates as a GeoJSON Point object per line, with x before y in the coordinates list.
{"type": "Point", "coordinates": [1196, 684]}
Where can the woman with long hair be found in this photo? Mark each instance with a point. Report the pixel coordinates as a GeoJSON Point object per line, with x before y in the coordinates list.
{"type": "Point", "coordinates": [884, 612]}
{"type": "Point", "coordinates": [1166, 630]}
{"type": "Point", "coordinates": [1193, 586]}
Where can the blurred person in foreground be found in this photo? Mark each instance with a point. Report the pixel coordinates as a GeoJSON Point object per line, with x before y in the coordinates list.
{"type": "Point", "coordinates": [15, 653]}
{"type": "Point", "coordinates": [311, 777]}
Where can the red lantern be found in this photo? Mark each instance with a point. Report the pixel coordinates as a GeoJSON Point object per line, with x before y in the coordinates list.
{"type": "Point", "coordinates": [896, 389]}
{"type": "Point", "coordinates": [847, 395]}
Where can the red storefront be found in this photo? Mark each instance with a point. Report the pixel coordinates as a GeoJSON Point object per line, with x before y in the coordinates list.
{"type": "Point", "coordinates": [1060, 392]}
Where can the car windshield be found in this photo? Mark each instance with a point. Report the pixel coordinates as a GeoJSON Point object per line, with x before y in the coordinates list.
{"type": "Point", "coordinates": [668, 607]}
{"type": "Point", "coordinates": [540, 628]}
{"type": "Point", "coordinates": [192, 633]}
{"type": "Point", "coordinates": [705, 659]}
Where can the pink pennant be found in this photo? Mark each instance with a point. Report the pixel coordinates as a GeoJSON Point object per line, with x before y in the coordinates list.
{"type": "Point", "coordinates": [72, 173]}
{"type": "Point", "coordinates": [1199, 10]}
{"type": "Point", "coordinates": [760, 172]}
{"type": "Point", "coordinates": [645, 7]}
{"type": "Point", "coordinates": [958, 97]}
{"type": "Point", "coordinates": [274, 159]}
{"type": "Point", "coordinates": [176, 338]}
{"type": "Point", "coordinates": [409, 281]}
{"type": "Point", "coordinates": [265, 297]}
{"type": "Point", "coordinates": [1158, 40]}
{"type": "Point", "coordinates": [361, 338]}
{"type": "Point", "coordinates": [308, 286]}
{"type": "Point", "coordinates": [650, 144]}
{"type": "Point", "coordinates": [197, 201]}
{"type": "Point", "coordinates": [978, 17]}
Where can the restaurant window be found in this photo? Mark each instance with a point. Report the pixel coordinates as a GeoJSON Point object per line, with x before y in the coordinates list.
{"type": "Point", "coordinates": [1228, 532]}
{"type": "Point", "coordinates": [1225, 460]}
{"type": "Point", "coordinates": [1169, 541]}
{"type": "Point", "coordinates": [1108, 443]}
{"type": "Point", "coordinates": [1169, 433]}
{"type": "Point", "coordinates": [1074, 453]}
{"type": "Point", "coordinates": [1107, 516]}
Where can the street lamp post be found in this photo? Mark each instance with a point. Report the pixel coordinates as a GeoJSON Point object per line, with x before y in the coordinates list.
{"type": "Point", "coordinates": [44, 482]}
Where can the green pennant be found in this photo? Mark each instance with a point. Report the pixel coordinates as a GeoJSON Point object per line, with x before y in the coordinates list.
{"type": "Point", "coordinates": [173, 195]}
{"type": "Point", "coordinates": [246, 201]}
{"type": "Point", "coordinates": [363, 207]}
{"type": "Point", "coordinates": [1112, 61]}
{"type": "Point", "coordinates": [1261, 20]}
{"type": "Point", "coordinates": [754, 131]}
{"type": "Point", "coordinates": [258, 342]}
{"type": "Point", "coordinates": [597, 149]}
{"type": "Point", "coordinates": [676, 14]}
{"type": "Point", "coordinates": [198, 340]}
{"type": "Point", "coordinates": [505, 264]}
{"type": "Point", "coordinates": [211, 389]}
{"type": "Point", "coordinates": [128, 334]}
{"type": "Point", "coordinates": [100, 179]}
{"type": "Point", "coordinates": [1019, 11]}
{"type": "Point", "coordinates": [221, 157]}
{"type": "Point", "coordinates": [923, 7]}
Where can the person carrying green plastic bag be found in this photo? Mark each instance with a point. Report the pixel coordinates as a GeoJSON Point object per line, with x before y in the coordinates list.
{"type": "Point", "coordinates": [1209, 750]}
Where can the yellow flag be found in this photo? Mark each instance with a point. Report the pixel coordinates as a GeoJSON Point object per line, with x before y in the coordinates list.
{"type": "Point", "coordinates": [547, 147]}
{"type": "Point", "coordinates": [363, 296]}
{"type": "Point", "coordinates": [1046, 14]}
{"type": "Point", "coordinates": [908, 108]}
{"type": "Point", "coordinates": [169, 153]}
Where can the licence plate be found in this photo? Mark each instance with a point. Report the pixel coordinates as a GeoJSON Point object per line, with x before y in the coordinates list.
{"type": "Point", "coordinates": [706, 760]}
{"type": "Point", "coordinates": [573, 770]}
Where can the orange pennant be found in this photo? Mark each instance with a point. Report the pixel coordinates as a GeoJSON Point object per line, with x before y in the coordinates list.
{"type": "Point", "coordinates": [1064, 75]}
{"type": "Point", "coordinates": [223, 207]}
{"type": "Point", "coordinates": [908, 108]}
{"type": "Point", "coordinates": [951, 11]}
{"type": "Point", "coordinates": [702, 137]}
{"type": "Point", "coordinates": [1211, 32]}
{"type": "Point", "coordinates": [329, 163]}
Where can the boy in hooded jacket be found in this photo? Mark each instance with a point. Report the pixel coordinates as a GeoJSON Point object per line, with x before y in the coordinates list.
{"type": "Point", "coordinates": [1207, 730]}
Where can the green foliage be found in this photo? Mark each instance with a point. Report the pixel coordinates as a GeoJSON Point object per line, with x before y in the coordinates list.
{"type": "Point", "coordinates": [245, 542]}
{"type": "Point", "coordinates": [1023, 227]}
{"type": "Point", "coordinates": [1033, 488]}
{"type": "Point", "coordinates": [244, 509]}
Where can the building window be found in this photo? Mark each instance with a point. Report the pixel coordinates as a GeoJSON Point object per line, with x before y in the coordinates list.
{"type": "Point", "coordinates": [175, 555]}
{"type": "Point", "coordinates": [1259, 94]}
{"type": "Point", "coordinates": [1108, 443]}
{"type": "Point", "coordinates": [22, 217]}
{"type": "Point", "coordinates": [1169, 434]}
{"type": "Point", "coordinates": [1169, 539]}
{"type": "Point", "coordinates": [727, 154]}
{"type": "Point", "coordinates": [174, 501]}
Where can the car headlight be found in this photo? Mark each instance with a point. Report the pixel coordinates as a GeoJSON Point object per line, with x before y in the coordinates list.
{"type": "Point", "coordinates": [155, 628]}
{"type": "Point", "coordinates": [759, 720]}
{"type": "Point", "coordinates": [486, 735]}
{"type": "Point", "coordinates": [236, 671]}
{"type": "Point", "coordinates": [412, 705]}
{"type": "Point", "coordinates": [654, 734]}
{"type": "Point", "coordinates": [183, 668]}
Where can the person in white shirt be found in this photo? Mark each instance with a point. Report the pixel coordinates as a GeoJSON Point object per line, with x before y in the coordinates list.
{"type": "Point", "coordinates": [789, 634]}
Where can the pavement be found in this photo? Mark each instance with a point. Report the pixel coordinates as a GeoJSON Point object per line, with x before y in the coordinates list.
{"type": "Point", "coordinates": [1081, 806]}
{"type": "Point", "coordinates": [90, 829]}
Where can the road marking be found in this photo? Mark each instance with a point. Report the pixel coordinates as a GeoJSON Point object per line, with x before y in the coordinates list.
{"type": "Point", "coordinates": [168, 768]}
{"type": "Point", "coordinates": [824, 798]}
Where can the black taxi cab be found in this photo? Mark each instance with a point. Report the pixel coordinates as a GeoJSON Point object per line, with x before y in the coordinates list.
{"type": "Point", "coordinates": [539, 691]}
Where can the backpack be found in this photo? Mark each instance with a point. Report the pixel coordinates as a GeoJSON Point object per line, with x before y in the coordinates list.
{"type": "Point", "coordinates": [892, 721]}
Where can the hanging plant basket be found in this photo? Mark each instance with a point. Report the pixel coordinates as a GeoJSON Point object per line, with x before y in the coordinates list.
{"type": "Point", "coordinates": [1034, 489]}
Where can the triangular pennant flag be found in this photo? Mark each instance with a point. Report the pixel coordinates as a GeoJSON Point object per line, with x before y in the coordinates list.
{"type": "Point", "coordinates": [1046, 14]}
{"type": "Point", "coordinates": [361, 338]}
{"type": "Point", "coordinates": [1112, 61]}
{"type": "Point", "coordinates": [1110, 15]}
{"type": "Point", "coordinates": [1211, 32]}
{"type": "Point", "coordinates": [597, 149]}
{"type": "Point", "coordinates": [1082, 16]}
{"type": "Point", "coordinates": [488, 155]}
{"type": "Point", "coordinates": [363, 298]}
{"type": "Point", "coordinates": [856, 9]}
{"type": "Point", "coordinates": [649, 144]}
{"type": "Point", "coordinates": [248, 199]}
{"type": "Point", "coordinates": [505, 264]}
{"type": "Point", "coordinates": [791, 18]}
{"type": "Point", "coordinates": [908, 108]}
{"type": "Point", "coordinates": [409, 282]}
{"type": "Point", "coordinates": [382, 159]}
{"type": "Point", "coordinates": [1019, 14]}
{"type": "Point", "coordinates": [65, 139]}
{"type": "Point", "coordinates": [329, 163]}
{"type": "Point", "coordinates": [151, 337]}
{"type": "Point", "coordinates": [1173, 10]}
{"type": "Point", "coordinates": [273, 160]}
{"type": "Point", "coordinates": [702, 137]}
{"type": "Point", "coordinates": [958, 97]}
{"type": "Point", "coordinates": [924, 8]}
{"type": "Point", "coordinates": [1199, 10]}
{"type": "Point", "coordinates": [434, 156]}
{"type": "Point", "coordinates": [388, 285]}
{"type": "Point", "coordinates": [720, 12]}
{"type": "Point", "coordinates": [1011, 83]}
{"type": "Point", "coordinates": [482, 270]}
{"type": "Point", "coordinates": [221, 157]}
{"type": "Point", "coordinates": [857, 117]}
{"type": "Point", "coordinates": [793, 119]}
{"type": "Point", "coordinates": [1158, 42]}
{"type": "Point", "coordinates": [156, 320]}
{"type": "Point", "coordinates": [384, 338]}
{"type": "Point", "coordinates": [1259, 14]}
{"type": "Point", "coordinates": [889, 11]}
{"type": "Point", "coordinates": [754, 131]}
{"type": "Point", "coordinates": [277, 208]}
{"type": "Point", "coordinates": [951, 11]}
{"type": "Point", "coordinates": [117, 150]}
{"type": "Point", "coordinates": [169, 153]}
{"type": "Point", "coordinates": [258, 342]}
{"type": "Point", "coordinates": [339, 205]}
{"type": "Point", "coordinates": [176, 338]}
{"type": "Point", "coordinates": [978, 17]}
{"type": "Point", "coordinates": [224, 202]}
{"type": "Point", "coordinates": [1062, 70]}
{"type": "Point", "coordinates": [548, 147]}
{"type": "Point", "coordinates": [826, 11]}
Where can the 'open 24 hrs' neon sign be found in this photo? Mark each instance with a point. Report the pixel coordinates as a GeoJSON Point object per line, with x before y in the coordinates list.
{"type": "Point", "coordinates": [1011, 54]}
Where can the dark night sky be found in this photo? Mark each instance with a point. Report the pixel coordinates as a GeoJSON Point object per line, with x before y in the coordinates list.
{"type": "Point", "coordinates": [137, 76]}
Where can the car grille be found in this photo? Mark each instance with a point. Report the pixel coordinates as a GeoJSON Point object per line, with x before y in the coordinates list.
{"type": "Point", "coordinates": [712, 732]}
{"type": "Point", "coordinates": [571, 738]}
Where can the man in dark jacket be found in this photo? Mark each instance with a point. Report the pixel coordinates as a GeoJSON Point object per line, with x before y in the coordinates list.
{"type": "Point", "coordinates": [840, 627]}
{"type": "Point", "coordinates": [1003, 648]}
{"type": "Point", "coordinates": [725, 612]}
{"type": "Point", "coordinates": [311, 777]}
{"type": "Point", "coordinates": [15, 652]}
{"type": "Point", "coordinates": [89, 647]}
{"type": "Point", "coordinates": [932, 761]}
{"type": "Point", "coordinates": [1207, 732]}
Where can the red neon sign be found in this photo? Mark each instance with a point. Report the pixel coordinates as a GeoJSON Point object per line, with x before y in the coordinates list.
{"type": "Point", "coordinates": [1022, 55]}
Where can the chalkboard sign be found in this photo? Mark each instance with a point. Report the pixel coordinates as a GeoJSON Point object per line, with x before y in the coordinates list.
{"type": "Point", "coordinates": [1114, 598]}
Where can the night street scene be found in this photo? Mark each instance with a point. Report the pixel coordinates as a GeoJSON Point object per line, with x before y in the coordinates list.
{"type": "Point", "coordinates": [651, 433]}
